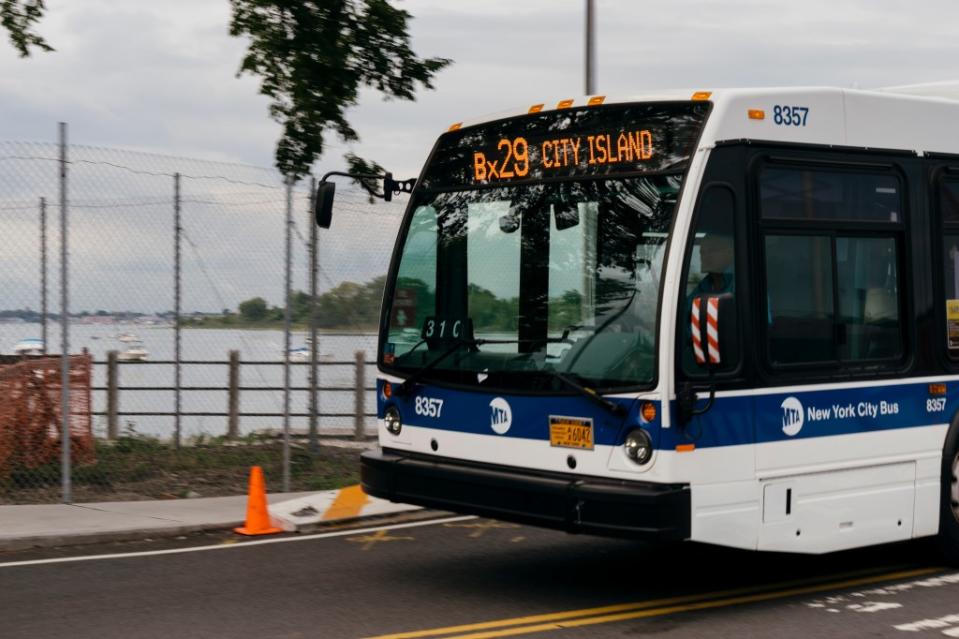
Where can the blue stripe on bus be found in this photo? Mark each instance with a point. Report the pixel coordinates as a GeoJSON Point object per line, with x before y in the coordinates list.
{"type": "Point", "coordinates": [731, 421]}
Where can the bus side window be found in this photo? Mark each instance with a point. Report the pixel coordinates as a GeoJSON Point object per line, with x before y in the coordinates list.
{"type": "Point", "coordinates": [832, 288]}
{"type": "Point", "coordinates": [710, 272]}
{"type": "Point", "coordinates": [948, 195]}
{"type": "Point", "coordinates": [799, 296]}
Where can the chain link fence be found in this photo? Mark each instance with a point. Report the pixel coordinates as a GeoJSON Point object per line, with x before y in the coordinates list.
{"type": "Point", "coordinates": [157, 244]}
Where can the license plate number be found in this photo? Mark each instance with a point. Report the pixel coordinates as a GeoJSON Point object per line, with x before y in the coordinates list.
{"type": "Point", "coordinates": [571, 432]}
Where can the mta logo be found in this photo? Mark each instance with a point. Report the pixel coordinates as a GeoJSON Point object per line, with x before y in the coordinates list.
{"type": "Point", "coordinates": [792, 416]}
{"type": "Point", "coordinates": [501, 416]}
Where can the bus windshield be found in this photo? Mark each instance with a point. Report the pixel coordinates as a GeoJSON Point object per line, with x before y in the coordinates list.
{"type": "Point", "coordinates": [507, 283]}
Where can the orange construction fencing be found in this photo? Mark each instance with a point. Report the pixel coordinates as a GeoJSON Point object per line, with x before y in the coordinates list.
{"type": "Point", "coordinates": [30, 413]}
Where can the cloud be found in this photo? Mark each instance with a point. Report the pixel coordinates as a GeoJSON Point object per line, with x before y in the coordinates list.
{"type": "Point", "coordinates": [161, 77]}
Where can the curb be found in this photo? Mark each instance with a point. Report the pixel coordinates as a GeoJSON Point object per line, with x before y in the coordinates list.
{"type": "Point", "coordinates": [301, 514]}
{"type": "Point", "coordinates": [82, 539]}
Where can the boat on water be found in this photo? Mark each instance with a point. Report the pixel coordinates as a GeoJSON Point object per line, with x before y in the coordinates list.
{"type": "Point", "coordinates": [301, 355]}
{"type": "Point", "coordinates": [129, 338]}
{"type": "Point", "coordinates": [29, 346]}
{"type": "Point", "coordinates": [135, 352]}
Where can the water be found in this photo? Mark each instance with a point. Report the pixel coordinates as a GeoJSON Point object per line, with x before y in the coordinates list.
{"type": "Point", "coordinates": [211, 345]}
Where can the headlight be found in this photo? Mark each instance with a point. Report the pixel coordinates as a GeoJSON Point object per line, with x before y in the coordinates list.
{"type": "Point", "coordinates": [638, 446]}
{"type": "Point", "coordinates": [394, 423]}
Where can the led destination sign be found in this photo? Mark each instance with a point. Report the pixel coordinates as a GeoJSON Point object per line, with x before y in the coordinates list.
{"type": "Point", "coordinates": [512, 157]}
{"type": "Point", "coordinates": [589, 141]}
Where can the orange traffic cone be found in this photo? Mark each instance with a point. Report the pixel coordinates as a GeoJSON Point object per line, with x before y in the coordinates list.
{"type": "Point", "coordinates": [257, 517]}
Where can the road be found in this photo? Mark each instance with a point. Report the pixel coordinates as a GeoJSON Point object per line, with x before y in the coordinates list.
{"type": "Point", "coordinates": [466, 577]}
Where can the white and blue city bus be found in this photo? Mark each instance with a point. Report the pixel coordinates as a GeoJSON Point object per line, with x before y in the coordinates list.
{"type": "Point", "coordinates": [729, 317]}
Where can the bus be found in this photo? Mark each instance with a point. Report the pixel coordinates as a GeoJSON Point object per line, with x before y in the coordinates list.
{"type": "Point", "coordinates": [726, 316]}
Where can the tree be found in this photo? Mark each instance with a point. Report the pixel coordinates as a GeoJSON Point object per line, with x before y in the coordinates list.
{"type": "Point", "coordinates": [17, 17]}
{"type": "Point", "coordinates": [314, 56]}
{"type": "Point", "coordinates": [254, 310]}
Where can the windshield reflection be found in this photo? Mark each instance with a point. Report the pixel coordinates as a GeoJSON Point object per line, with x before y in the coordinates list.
{"type": "Point", "coordinates": [549, 278]}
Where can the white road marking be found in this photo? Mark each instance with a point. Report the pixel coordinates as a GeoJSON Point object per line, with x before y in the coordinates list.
{"type": "Point", "coordinates": [929, 624]}
{"type": "Point", "coordinates": [949, 625]}
{"type": "Point", "coordinates": [233, 546]}
{"type": "Point", "coordinates": [874, 606]}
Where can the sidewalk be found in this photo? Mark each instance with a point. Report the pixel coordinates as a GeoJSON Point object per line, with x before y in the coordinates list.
{"type": "Point", "coordinates": [66, 524]}
{"type": "Point", "coordinates": [32, 526]}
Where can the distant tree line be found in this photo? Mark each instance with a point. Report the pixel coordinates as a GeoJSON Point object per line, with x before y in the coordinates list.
{"type": "Point", "coordinates": [348, 305]}
{"type": "Point", "coordinates": [30, 315]}
{"type": "Point", "coordinates": [352, 305]}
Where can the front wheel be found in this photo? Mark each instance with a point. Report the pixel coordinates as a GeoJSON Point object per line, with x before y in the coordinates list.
{"type": "Point", "coordinates": [949, 511]}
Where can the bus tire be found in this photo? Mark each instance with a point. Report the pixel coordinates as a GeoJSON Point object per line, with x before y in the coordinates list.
{"type": "Point", "coordinates": [949, 498]}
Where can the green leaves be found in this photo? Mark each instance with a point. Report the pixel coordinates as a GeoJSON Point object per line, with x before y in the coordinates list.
{"type": "Point", "coordinates": [313, 57]}
{"type": "Point", "coordinates": [356, 164]}
{"type": "Point", "coordinates": [17, 16]}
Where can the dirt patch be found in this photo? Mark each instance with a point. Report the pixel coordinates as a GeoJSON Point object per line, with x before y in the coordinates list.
{"type": "Point", "coordinates": [137, 468]}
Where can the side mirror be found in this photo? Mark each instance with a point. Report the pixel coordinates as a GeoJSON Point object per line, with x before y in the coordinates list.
{"type": "Point", "coordinates": [685, 402]}
{"type": "Point", "coordinates": [509, 223]}
{"type": "Point", "coordinates": [715, 337]}
{"type": "Point", "coordinates": [323, 211]}
{"type": "Point", "coordinates": [566, 214]}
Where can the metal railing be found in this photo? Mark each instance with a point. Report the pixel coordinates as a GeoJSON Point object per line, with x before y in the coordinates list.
{"type": "Point", "coordinates": [233, 389]}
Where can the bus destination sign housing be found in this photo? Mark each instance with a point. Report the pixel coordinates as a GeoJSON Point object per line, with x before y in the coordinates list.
{"type": "Point", "coordinates": [601, 141]}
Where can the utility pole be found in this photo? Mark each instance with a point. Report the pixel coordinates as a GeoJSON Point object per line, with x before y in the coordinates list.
{"type": "Point", "coordinates": [590, 49]}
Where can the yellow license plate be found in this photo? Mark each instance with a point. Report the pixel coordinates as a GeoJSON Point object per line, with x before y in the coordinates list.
{"type": "Point", "coordinates": [571, 432]}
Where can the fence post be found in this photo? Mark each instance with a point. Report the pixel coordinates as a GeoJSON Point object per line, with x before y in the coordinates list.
{"type": "Point", "coordinates": [286, 334]}
{"type": "Point", "coordinates": [65, 440]}
{"type": "Point", "coordinates": [359, 397]}
{"type": "Point", "coordinates": [177, 373]}
{"type": "Point", "coordinates": [233, 408]}
{"type": "Point", "coordinates": [314, 337]}
{"type": "Point", "coordinates": [113, 395]}
{"type": "Point", "coordinates": [43, 273]}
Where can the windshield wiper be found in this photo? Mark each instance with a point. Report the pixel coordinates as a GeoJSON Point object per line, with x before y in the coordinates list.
{"type": "Point", "coordinates": [409, 382]}
{"type": "Point", "coordinates": [414, 377]}
{"type": "Point", "coordinates": [589, 393]}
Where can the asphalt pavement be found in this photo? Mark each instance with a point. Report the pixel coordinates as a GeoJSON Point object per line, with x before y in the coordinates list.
{"type": "Point", "coordinates": [467, 577]}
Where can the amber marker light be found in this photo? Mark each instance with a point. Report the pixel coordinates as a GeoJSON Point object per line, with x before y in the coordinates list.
{"type": "Point", "coordinates": [387, 390]}
{"type": "Point", "coordinates": [702, 95]}
{"type": "Point", "coordinates": [456, 127]}
{"type": "Point", "coordinates": [685, 448]}
{"type": "Point", "coordinates": [536, 108]}
{"type": "Point", "coordinates": [937, 389]}
{"type": "Point", "coordinates": [648, 411]}
{"type": "Point", "coordinates": [596, 100]}
{"type": "Point", "coordinates": [757, 114]}
{"type": "Point", "coordinates": [564, 104]}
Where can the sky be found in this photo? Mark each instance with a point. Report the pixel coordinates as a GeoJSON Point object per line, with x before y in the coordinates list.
{"type": "Point", "coordinates": [161, 77]}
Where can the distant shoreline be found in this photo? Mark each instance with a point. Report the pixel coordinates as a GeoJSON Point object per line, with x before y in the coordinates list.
{"type": "Point", "coordinates": [278, 326]}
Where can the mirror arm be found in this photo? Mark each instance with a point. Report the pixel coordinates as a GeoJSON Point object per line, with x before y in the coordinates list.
{"type": "Point", "coordinates": [323, 205]}
{"type": "Point", "coordinates": [709, 402]}
{"type": "Point", "coordinates": [390, 186]}
{"type": "Point", "coordinates": [686, 397]}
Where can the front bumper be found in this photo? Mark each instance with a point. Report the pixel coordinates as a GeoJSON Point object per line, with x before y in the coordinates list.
{"type": "Point", "coordinates": [553, 500]}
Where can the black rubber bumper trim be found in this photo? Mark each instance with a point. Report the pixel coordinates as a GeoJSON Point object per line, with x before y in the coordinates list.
{"type": "Point", "coordinates": [554, 500]}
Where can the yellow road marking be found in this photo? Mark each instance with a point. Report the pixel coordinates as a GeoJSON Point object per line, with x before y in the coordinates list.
{"type": "Point", "coordinates": [479, 527]}
{"type": "Point", "coordinates": [369, 541]}
{"type": "Point", "coordinates": [655, 607]}
{"type": "Point", "coordinates": [348, 503]}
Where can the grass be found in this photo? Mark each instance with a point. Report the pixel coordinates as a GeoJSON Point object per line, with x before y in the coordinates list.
{"type": "Point", "coordinates": [135, 467]}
